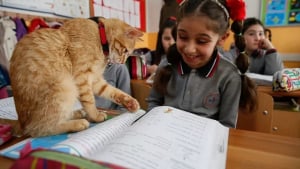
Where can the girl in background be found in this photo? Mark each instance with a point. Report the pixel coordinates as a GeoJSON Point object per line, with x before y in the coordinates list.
{"type": "Point", "coordinates": [164, 41]}
{"type": "Point", "coordinates": [194, 77]}
{"type": "Point", "coordinates": [169, 9]}
{"type": "Point", "coordinates": [250, 39]}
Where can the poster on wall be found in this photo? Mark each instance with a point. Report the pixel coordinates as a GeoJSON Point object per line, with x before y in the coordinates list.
{"type": "Point", "coordinates": [280, 12]}
{"type": "Point", "coordinates": [72, 8]}
{"type": "Point", "coordinates": [45, 6]}
{"type": "Point", "coordinates": [130, 11]}
{"type": "Point", "coordinates": [66, 8]}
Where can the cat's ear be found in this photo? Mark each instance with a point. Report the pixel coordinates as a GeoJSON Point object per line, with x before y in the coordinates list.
{"type": "Point", "coordinates": [134, 33]}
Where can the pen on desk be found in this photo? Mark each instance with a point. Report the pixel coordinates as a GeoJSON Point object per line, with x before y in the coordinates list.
{"type": "Point", "coordinates": [138, 118]}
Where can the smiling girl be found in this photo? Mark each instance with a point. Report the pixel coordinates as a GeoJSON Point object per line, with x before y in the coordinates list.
{"type": "Point", "coordinates": [194, 77]}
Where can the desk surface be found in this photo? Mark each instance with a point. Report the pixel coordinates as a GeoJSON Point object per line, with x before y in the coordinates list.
{"type": "Point", "coordinates": [269, 90]}
{"type": "Point", "coordinates": [246, 150]}
{"type": "Point", "coordinates": [254, 150]}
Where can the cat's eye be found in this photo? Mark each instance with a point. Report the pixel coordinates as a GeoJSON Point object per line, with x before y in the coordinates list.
{"type": "Point", "coordinates": [125, 52]}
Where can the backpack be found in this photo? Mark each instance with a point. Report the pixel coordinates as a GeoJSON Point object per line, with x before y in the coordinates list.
{"type": "Point", "coordinates": [287, 80]}
{"type": "Point", "coordinates": [137, 64]}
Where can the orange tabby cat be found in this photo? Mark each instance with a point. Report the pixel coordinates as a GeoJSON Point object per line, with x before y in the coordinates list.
{"type": "Point", "coordinates": [51, 68]}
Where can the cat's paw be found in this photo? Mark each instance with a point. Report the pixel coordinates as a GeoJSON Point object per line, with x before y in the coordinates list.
{"type": "Point", "coordinates": [99, 116]}
{"type": "Point", "coordinates": [81, 124]}
{"type": "Point", "coordinates": [131, 104]}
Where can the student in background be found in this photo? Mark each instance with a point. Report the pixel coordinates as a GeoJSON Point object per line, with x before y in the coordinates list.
{"type": "Point", "coordinates": [118, 76]}
{"type": "Point", "coordinates": [164, 40]}
{"type": "Point", "coordinates": [250, 38]}
{"type": "Point", "coordinates": [169, 8]}
{"type": "Point", "coordinates": [194, 77]}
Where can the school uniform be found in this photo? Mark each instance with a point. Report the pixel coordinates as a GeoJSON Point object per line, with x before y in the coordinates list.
{"type": "Point", "coordinates": [265, 62]}
{"type": "Point", "coordinates": [211, 91]}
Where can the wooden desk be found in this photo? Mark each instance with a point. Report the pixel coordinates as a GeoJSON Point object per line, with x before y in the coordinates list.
{"type": "Point", "coordinates": [283, 121]}
{"type": "Point", "coordinates": [246, 150]}
{"type": "Point", "coordinates": [254, 150]}
{"type": "Point", "coordinates": [269, 90]}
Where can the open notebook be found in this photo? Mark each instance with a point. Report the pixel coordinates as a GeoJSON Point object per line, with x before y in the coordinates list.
{"type": "Point", "coordinates": [264, 80]}
{"type": "Point", "coordinates": [163, 138]}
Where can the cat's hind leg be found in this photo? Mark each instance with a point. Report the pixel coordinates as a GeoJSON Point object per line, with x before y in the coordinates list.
{"type": "Point", "coordinates": [58, 128]}
{"type": "Point", "coordinates": [79, 114]}
{"type": "Point", "coordinates": [54, 114]}
{"type": "Point", "coordinates": [60, 121]}
{"type": "Point", "coordinates": [71, 126]}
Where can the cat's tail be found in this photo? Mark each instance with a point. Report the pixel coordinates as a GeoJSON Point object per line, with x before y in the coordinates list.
{"type": "Point", "coordinates": [16, 127]}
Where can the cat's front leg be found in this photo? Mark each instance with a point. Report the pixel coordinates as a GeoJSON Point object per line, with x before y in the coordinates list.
{"type": "Point", "coordinates": [105, 90]}
{"type": "Point", "coordinates": [122, 98]}
{"type": "Point", "coordinates": [92, 113]}
{"type": "Point", "coordinates": [88, 103]}
{"type": "Point", "coordinates": [130, 103]}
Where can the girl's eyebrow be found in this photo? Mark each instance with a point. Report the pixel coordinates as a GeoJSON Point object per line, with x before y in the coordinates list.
{"type": "Point", "coordinates": [251, 30]}
{"type": "Point", "coordinates": [198, 35]}
{"type": "Point", "coordinates": [182, 30]}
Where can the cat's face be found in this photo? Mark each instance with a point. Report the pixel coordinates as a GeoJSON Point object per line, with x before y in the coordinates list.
{"type": "Point", "coordinates": [121, 38]}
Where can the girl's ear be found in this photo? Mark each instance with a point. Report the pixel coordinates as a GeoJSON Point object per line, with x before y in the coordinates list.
{"type": "Point", "coordinates": [221, 41]}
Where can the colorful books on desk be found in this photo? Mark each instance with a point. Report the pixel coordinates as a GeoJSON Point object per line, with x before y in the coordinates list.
{"type": "Point", "coordinates": [162, 138]}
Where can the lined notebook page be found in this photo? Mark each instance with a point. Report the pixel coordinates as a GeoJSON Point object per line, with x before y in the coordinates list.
{"type": "Point", "coordinates": [8, 109]}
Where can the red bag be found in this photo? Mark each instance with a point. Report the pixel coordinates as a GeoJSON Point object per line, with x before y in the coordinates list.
{"type": "Point", "coordinates": [137, 66]}
{"type": "Point", "coordinates": [5, 133]}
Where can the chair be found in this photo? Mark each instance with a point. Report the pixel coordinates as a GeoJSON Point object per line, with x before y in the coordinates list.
{"type": "Point", "coordinates": [259, 120]}
{"type": "Point", "coordinates": [140, 91]}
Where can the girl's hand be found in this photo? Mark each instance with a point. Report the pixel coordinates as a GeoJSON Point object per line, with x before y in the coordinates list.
{"type": "Point", "coordinates": [266, 44]}
{"type": "Point", "coordinates": [151, 69]}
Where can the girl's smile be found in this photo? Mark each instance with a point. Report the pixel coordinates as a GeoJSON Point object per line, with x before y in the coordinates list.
{"type": "Point", "coordinates": [196, 41]}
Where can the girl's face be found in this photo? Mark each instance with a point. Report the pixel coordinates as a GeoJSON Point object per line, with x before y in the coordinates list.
{"type": "Point", "coordinates": [167, 39]}
{"type": "Point", "coordinates": [253, 37]}
{"type": "Point", "coordinates": [196, 41]}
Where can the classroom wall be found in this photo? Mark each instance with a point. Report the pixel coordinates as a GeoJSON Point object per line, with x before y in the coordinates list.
{"type": "Point", "coordinates": [152, 20]}
{"type": "Point", "coordinates": [285, 39]}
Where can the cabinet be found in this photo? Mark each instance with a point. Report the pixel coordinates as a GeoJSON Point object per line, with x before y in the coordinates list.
{"type": "Point", "coordinates": [286, 123]}
{"type": "Point", "coordinates": [259, 120]}
{"type": "Point", "coordinates": [269, 120]}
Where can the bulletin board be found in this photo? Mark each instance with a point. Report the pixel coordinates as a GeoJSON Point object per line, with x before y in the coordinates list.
{"type": "Point", "coordinates": [130, 11]}
{"type": "Point", "coordinates": [280, 12]}
{"type": "Point", "coordinates": [66, 8]}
